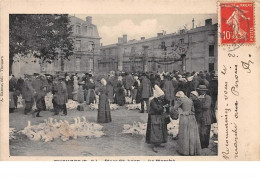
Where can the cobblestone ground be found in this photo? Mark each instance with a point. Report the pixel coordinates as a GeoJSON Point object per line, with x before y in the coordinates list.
{"type": "Point", "coordinates": [113, 144]}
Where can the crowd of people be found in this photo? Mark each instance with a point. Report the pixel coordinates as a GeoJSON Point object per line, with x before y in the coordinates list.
{"type": "Point", "coordinates": [191, 97]}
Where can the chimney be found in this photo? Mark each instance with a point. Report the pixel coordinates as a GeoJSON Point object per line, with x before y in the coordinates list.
{"type": "Point", "coordinates": [124, 38]}
{"type": "Point", "coordinates": [89, 20]}
{"type": "Point", "coordinates": [208, 22]}
{"type": "Point", "coordinates": [193, 23]}
{"type": "Point", "coordinates": [159, 34]}
{"type": "Point", "coordinates": [101, 44]}
{"type": "Point", "coordinates": [142, 38]}
{"type": "Point", "coordinates": [120, 40]}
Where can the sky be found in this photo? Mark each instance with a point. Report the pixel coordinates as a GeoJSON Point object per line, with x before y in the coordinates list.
{"type": "Point", "coordinates": [110, 26]}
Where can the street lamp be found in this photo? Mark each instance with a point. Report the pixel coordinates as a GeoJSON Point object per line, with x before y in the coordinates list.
{"type": "Point", "coordinates": [93, 50]}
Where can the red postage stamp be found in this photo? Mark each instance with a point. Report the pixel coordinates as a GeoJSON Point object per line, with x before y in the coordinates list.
{"type": "Point", "coordinates": [237, 23]}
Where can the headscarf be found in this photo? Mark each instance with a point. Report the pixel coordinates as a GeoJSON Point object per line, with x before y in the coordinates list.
{"type": "Point", "coordinates": [180, 94]}
{"type": "Point", "coordinates": [157, 91]}
{"type": "Point", "coordinates": [104, 82]}
{"type": "Point", "coordinates": [195, 93]}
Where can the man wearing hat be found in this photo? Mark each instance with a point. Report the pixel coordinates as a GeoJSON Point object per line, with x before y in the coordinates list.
{"type": "Point", "coordinates": [205, 117]}
{"type": "Point", "coordinates": [60, 96]}
{"type": "Point", "coordinates": [146, 92]}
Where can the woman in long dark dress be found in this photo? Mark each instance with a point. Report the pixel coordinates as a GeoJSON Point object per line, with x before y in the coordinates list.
{"type": "Point", "coordinates": [156, 131]}
{"type": "Point", "coordinates": [188, 138]}
{"type": "Point", "coordinates": [120, 94]}
{"type": "Point", "coordinates": [104, 114]}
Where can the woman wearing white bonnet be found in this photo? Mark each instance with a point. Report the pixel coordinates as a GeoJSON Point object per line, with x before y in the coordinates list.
{"type": "Point", "coordinates": [156, 131]}
{"type": "Point", "coordinates": [188, 137]}
{"type": "Point", "coordinates": [104, 114]}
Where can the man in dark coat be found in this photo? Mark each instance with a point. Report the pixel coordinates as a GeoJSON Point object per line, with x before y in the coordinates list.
{"type": "Point", "coordinates": [146, 92]}
{"type": "Point", "coordinates": [128, 83]}
{"type": "Point", "coordinates": [60, 96]}
{"type": "Point", "coordinates": [40, 102]}
{"type": "Point", "coordinates": [28, 93]}
{"type": "Point", "coordinates": [205, 117]}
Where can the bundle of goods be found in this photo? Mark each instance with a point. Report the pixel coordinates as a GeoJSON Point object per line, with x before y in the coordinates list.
{"type": "Point", "coordinates": [20, 102]}
{"type": "Point", "coordinates": [173, 127]}
{"type": "Point", "coordinates": [112, 107]}
{"type": "Point", "coordinates": [128, 100]}
{"type": "Point", "coordinates": [134, 107]}
{"type": "Point", "coordinates": [12, 132]}
{"type": "Point", "coordinates": [72, 104]}
{"type": "Point", "coordinates": [51, 130]}
{"type": "Point", "coordinates": [137, 128]}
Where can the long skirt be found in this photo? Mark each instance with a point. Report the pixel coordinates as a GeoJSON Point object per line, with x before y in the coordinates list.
{"type": "Point", "coordinates": [104, 115]}
{"type": "Point", "coordinates": [156, 133]}
{"type": "Point", "coordinates": [110, 93]}
{"type": "Point", "coordinates": [120, 97]}
{"type": "Point", "coordinates": [91, 96]}
{"type": "Point", "coordinates": [75, 95]}
{"type": "Point", "coordinates": [80, 97]}
{"type": "Point", "coordinates": [189, 140]}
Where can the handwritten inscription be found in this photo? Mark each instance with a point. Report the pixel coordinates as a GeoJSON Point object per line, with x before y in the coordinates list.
{"type": "Point", "coordinates": [235, 140]}
{"type": "Point", "coordinates": [246, 65]}
{"type": "Point", "coordinates": [2, 79]}
{"type": "Point", "coordinates": [234, 89]}
{"type": "Point", "coordinates": [230, 114]}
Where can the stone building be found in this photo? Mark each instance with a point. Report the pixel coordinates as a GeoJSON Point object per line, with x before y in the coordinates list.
{"type": "Point", "coordinates": [86, 49]}
{"type": "Point", "coordinates": [187, 50]}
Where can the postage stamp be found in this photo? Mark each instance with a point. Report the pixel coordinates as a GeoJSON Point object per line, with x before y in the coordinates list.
{"type": "Point", "coordinates": [237, 23]}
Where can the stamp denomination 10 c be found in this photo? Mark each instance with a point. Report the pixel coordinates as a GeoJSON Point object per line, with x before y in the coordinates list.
{"type": "Point", "coordinates": [237, 23]}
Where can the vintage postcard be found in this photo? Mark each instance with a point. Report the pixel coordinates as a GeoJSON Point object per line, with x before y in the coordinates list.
{"type": "Point", "coordinates": [130, 80]}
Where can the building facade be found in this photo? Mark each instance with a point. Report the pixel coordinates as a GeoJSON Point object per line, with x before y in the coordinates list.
{"type": "Point", "coordinates": [187, 50]}
{"type": "Point", "coordinates": [86, 49]}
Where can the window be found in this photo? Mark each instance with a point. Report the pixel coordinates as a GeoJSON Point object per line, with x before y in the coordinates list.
{"type": "Point", "coordinates": [78, 45]}
{"type": "Point", "coordinates": [78, 31]}
{"type": "Point", "coordinates": [86, 28]}
{"type": "Point", "coordinates": [90, 31]}
{"type": "Point", "coordinates": [182, 41]}
{"type": "Point", "coordinates": [77, 64]}
{"type": "Point", "coordinates": [163, 45]}
{"type": "Point", "coordinates": [72, 28]}
{"type": "Point", "coordinates": [90, 46]}
{"type": "Point", "coordinates": [211, 50]}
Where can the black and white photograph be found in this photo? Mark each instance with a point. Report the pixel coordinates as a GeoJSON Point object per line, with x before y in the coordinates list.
{"type": "Point", "coordinates": [113, 85]}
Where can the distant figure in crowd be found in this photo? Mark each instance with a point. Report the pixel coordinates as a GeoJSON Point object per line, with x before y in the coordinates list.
{"type": "Point", "coordinates": [156, 132]}
{"type": "Point", "coordinates": [104, 115]}
{"type": "Point", "coordinates": [146, 92]}
{"type": "Point", "coordinates": [120, 94]}
{"type": "Point", "coordinates": [69, 84]}
{"type": "Point", "coordinates": [80, 97]}
{"type": "Point", "coordinates": [28, 94]}
{"type": "Point", "coordinates": [91, 96]}
{"type": "Point", "coordinates": [39, 98]}
{"type": "Point", "coordinates": [60, 96]}
{"type": "Point", "coordinates": [75, 88]}
{"type": "Point", "coordinates": [188, 137]}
